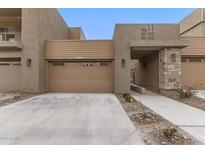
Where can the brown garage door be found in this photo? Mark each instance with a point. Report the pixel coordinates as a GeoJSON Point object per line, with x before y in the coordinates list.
{"type": "Point", "coordinates": [80, 77]}
{"type": "Point", "coordinates": [10, 74]}
{"type": "Point", "coordinates": [193, 72]}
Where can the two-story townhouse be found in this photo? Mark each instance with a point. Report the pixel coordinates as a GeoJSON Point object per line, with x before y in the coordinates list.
{"type": "Point", "coordinates": [40, 53]}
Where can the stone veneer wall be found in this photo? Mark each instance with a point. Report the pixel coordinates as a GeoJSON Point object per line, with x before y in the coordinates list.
{"type": "Point", "coordinates": [169, 69]}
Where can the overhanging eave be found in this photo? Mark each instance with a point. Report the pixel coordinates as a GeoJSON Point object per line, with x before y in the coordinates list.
{"type": "Point", "coordinates": [156, 45]}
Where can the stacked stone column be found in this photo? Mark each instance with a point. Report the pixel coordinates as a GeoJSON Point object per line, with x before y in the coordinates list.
{"type": "Point", "coordinates": [169, 69]}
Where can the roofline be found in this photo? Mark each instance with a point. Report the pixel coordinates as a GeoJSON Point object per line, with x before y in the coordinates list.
{"type": "Point", "coordinates": [192, 37]}
{"type": "Point", "coordinates": [146, 24]}
{"type": "Point", "coordinates": [79, 40]}
{"type": "Point", "coordinates": [62, 18]}
{"type": "Point", "coordinates": [81, 29]}
{"type": "Point", "coordinates": [187, 16]}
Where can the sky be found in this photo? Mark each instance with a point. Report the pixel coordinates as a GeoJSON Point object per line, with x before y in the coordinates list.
{"type": "Point", "coordinates": [100, 23]}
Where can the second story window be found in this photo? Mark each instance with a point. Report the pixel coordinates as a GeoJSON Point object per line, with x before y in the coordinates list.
{"type": "Point", "coordinates": [147, 33]}
{"type": "Point", "coordinates": [7, 34]}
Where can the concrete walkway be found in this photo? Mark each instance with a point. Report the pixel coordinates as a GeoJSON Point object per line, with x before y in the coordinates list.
{"type": "Point", "coordinates": [4, 96]}
{"type": "Point", "coordinates": [67, 119]}
{"type": "Point", "coordinates": [188, 118]}
{"type": "Point", "coordinates": [200, 94]}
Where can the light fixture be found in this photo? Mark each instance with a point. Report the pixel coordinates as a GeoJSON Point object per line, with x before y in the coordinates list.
{"type": "Point", "coordinates": [28, 62]}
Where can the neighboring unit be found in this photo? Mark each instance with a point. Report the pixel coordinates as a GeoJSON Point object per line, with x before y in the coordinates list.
{"type": "Point", "coordinates": [40, 53]}
{"type": "Point", "coordinates": [192, 30]}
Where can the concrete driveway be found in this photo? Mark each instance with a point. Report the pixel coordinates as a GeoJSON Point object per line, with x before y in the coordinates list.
{"type": "Point", "coordinates": [67, 119]}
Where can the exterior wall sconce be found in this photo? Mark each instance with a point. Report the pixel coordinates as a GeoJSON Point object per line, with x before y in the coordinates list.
{"type": "Point", "coordinates": [28, 62]}
{"type": "Point", "coordinates": [123, 62]}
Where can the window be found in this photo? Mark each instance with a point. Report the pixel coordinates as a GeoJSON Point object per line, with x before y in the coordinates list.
{"type": "Point", "coordinates": [58, 63]}
{"type": "Point", "coordinates": [16, 64]}
{"type": "Point", "coordinates": [144, 34]}
{"type": "Point", "coordinates": [151, 36]}
{"type": "Point", "coordinates": [88, 64]}
{"type": "Point", "coordinates": [5, 64]}
{"type": "Point", "coordinates": [7, 34]}
{"type": "Point", "coordinates": [10, 59]}
{"type": "Point", "coordinates": [104, 64]}
{"type": "Point", "coordinates": [147, 33]}
{"type": "Point", "coordinates": [195, 59]}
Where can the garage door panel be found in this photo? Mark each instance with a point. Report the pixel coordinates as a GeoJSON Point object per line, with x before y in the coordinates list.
{"type": "Point", "coordinates": [76, 77]}
{"type": "Point", "coordinates": [81, 86]}
{"type": "Point", "coordinates": [193, 74]}
{"type": "Point", "coordinates": [75, 73]}
{"type": "Point", "coordinates": [9, 78]}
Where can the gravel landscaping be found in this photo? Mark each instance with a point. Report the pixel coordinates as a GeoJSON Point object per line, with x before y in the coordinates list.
{"type": "Point", "coordinates": [15, 98]}
{"type": "Point", "coordinates": [153, 128]}
{"type": "Point", "coordinates": [194, 101]}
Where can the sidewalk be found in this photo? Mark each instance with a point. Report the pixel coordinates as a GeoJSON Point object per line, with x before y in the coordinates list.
{"type": "Point", "coordinates": [190, 119]}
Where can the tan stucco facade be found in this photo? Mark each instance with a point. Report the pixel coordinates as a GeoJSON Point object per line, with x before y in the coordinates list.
{"type": "Point", "coordinates": [43, 24]}
{"type": "Point", "coordinates": [158, 57]}
{"type": "Point", "coordinates": [76, 33]}
{"type": "Point", "coordinates": [193, 24]}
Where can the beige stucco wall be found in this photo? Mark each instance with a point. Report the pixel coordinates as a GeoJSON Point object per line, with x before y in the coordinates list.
{"type": "Point", "coordinates": [196, 31]}
{"type": "Point", "coordinates": [124, 33]}
{"type": "Point", "coordinates": [193, 24]}
{"type": "Point", "coordinates": [11, 22]}
{"type": "Point", "coordinates": [38, 25]}
{"type": "Point", "coordinates": [76, 33]}
{"type": "Point", "coordinates": [6, 53]}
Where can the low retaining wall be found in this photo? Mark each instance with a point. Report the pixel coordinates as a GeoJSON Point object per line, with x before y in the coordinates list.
{"type": "Point", "coordinates": [138, 89]}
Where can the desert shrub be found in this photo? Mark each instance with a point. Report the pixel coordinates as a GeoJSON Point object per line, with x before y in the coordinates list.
{"type": "Point", "coordinates": [148, 117]}
{"type": "Point", "coordinates": [127, 97]}
{"type": "Point", "coordinates": [169, 132]}
{"type": "Point", "coordinates": [186, 93]}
